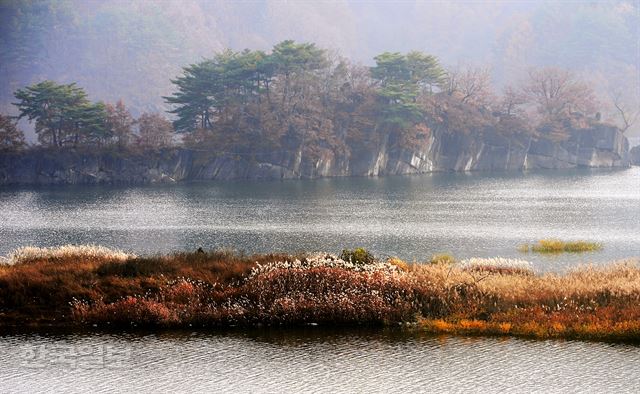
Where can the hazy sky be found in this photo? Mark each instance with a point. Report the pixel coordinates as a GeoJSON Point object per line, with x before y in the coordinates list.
{"type": "Point", "coordinates": [131, 49]}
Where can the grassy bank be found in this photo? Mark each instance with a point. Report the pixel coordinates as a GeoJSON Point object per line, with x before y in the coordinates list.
{"type": "Point", "coordinates": [95, 286]}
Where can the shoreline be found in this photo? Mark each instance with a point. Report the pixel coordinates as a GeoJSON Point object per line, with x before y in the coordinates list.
{"type": "Point", "coordinates": [93, 288]}
{"type": "Point", "coordinates": [399, 332]}
{"type": "Point", "coordinates": [586, 171]}
{"type": "Point", "coordinates": [599, 146]}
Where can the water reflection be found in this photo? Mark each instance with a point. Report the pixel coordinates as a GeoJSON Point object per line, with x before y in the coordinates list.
{"type": "Point", "coordinates": [317, 359]}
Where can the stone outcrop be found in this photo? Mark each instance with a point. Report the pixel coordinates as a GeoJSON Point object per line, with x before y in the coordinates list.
{"type": "Point", "coordinates": [634, 155]}
{"type": "Point", "coordinates": [599, 146]}
{"type": "Point", "coordinates": [486, 150]}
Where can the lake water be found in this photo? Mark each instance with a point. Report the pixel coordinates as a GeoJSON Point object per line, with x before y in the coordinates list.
{"type": "Point", "coordinates": [411, 217]}
{"type": "Point", "coordinates": [313, 360]}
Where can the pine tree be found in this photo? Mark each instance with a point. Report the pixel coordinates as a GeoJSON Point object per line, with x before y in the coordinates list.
{"type": "Point", "coordinates": [63, 114]}
{"type": "Point", "coordinates": [401, 79]}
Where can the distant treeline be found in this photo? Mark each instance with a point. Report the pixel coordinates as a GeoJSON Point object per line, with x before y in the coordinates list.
{"type": "Point", "coordinates": [302, 98]}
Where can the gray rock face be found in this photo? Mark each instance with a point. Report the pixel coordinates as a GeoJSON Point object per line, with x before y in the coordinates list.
{"type": "Point", "coordinates": [599, 146]}
{"type": "Point", "coordinates": [487, 150]}
{"type": "Point", "coordinates": [634, 155]}
{"type": "Point", "coordinates": [69, 167]}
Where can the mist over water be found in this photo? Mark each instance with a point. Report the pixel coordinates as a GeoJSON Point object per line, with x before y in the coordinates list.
{"type": "Point", "coordinates": [412, 217]}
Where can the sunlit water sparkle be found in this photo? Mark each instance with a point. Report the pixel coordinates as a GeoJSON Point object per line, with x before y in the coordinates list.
{"type": "Point", "coordinates": [412, 217]}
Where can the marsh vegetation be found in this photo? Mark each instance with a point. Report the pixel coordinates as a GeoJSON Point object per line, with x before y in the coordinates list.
{"type": "Point", "coordinates": [558, 246]}
{"type": "Point", "coordinates": [92, 286]}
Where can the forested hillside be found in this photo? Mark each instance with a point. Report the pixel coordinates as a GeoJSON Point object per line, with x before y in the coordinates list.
{"type": "Point", "coordinates": [299, 110]}
{"type": "Point", "coordinates": [131, 50]}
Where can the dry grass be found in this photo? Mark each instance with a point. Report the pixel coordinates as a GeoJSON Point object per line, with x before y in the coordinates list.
{"type": "Point", "coordinates": [86, 252]}
{"type": "Point", "coordinates": [558, 246]}
{"type": "Point", "coordinates": [587, 303]}
{"type": "Point", "coordinates": [476, 296]}
{"type": "Point", "coordinates": [497, 265]}
{"type": "Point", "coordinates": [399, 263]}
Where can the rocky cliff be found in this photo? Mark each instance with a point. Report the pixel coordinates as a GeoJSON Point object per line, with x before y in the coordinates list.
{"type": "Point", "coordinates": [486, 150]}
{"type": "Point", "coordinates": [634, 155]}
{"type": "Point", "coordinates": [599, 146]}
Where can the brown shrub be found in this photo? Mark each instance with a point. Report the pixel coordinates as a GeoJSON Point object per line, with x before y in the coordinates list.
{"type": "Point", "coordinates": [222, 288]}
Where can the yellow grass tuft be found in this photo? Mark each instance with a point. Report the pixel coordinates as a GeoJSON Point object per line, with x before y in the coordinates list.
{"type": "Point", "coordinates": [401, 264]}
{"type": "Point", "coordinates": [442, 259]}
{"type": "Point", "coordinates": [558, 246]}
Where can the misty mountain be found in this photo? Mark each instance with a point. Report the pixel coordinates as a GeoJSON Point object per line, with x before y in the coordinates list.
{"type": "Point", "coordinates": [131, 50]}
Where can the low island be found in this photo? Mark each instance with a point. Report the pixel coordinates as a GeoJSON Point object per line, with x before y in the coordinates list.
{"type": "Point", "coordinates": [98, 288]}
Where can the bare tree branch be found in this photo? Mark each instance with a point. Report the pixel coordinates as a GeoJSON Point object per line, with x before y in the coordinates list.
{"type": "Point", "coordinates": [627, 115]}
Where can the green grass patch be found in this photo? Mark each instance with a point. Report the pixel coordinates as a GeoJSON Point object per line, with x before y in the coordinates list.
{"type": "Point", "coordinates": [357, 256]}
{"type": "Point", "coordinates": [558, 246]}
{"type": "Point", "coordinates": [442, 258]}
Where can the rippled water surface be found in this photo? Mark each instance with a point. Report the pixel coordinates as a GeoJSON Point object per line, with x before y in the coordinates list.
{"type": "Point", "coordinates": [411, 217]}
{"type": "Point", "coordinates": [408, 216]}
{"type": "Point", "coordinates": [311, 361]}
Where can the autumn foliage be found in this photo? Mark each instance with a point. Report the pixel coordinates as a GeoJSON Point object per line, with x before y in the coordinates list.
{"type": "Point", "coordinates": [80, 286]}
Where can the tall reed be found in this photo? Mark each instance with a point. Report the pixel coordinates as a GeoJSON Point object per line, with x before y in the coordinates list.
{"type": "Point", "coordinates": [494, 296]}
